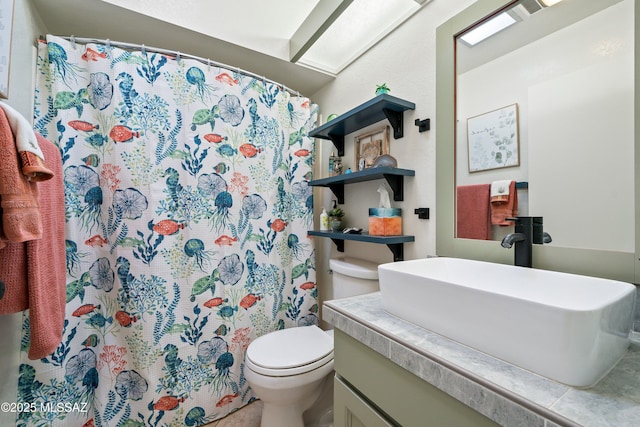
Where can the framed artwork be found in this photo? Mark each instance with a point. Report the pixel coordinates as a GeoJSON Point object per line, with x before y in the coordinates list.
{"type": "Point", "coordinates": [369, 146]}
{"type": "Point", "coordinates": [493, 139]}
{"type": "Point", "coordinates": [6, 24]}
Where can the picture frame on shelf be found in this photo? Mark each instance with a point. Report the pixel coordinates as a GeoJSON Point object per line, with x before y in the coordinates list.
{"type": "Point", "coordinates": [6, 28]}
{"type": "Point", "coordinates": [493, 139]}
{"type": "Point", "coordinates": [369, 146]}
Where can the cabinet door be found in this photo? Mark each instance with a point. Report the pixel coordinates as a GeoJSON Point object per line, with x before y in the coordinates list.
{"type": "Point", "coordinates": [401, 396]}
{"type": "Point", "coordinates": [350, 410]}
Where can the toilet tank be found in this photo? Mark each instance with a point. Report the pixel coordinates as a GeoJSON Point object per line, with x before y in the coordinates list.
{"type": "Point", "coordinates": [352, 276]}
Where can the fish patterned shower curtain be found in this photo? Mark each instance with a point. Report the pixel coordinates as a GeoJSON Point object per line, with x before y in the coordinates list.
{"type": "Point", "coordinates": [187, 210]}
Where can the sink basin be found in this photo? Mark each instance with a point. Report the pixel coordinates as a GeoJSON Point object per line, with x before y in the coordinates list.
{"type": "Point", "coordinates": [569, 328]}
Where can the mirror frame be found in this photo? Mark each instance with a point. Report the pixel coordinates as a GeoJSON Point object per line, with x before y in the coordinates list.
{"type": "Point", "coordinates": [623, 266]}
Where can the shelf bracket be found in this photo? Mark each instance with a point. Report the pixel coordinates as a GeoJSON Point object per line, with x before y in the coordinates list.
{"type": "Point", "coordinates": [396, 182]}
{"type": "Point", "coordinates": [338, 141]}
{"type": "Point", "coordinates": [398, 251]}
{"type": "Point", "coordinates": [338, 191]}
{"type": "Point", "coordinates": [396, 118]}
{"type": "Point", "coordinates": [339, 244]}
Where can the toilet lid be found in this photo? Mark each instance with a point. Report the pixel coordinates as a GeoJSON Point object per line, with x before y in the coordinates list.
{"type": "Point", "coordinates": [291, 349]}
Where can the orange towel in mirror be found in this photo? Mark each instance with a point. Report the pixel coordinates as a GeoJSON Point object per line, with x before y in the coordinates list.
{"type": "Point", "coordinates": [473, 214]}
{"type": "Point", "coordinates": [500, 209]}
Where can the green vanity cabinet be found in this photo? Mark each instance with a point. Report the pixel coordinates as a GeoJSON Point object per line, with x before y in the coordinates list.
{"type": "Point", "coordinates": [352, 410]}
{"type": "Point", "coordinates": [370, 390]}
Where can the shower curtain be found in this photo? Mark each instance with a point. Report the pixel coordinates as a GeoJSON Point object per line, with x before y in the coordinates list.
{"type": "Point", "coordinates": [187, 207]}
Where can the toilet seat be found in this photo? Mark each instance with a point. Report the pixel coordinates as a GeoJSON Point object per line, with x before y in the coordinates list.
{"type": "Point", "coordinates": [292, 351]}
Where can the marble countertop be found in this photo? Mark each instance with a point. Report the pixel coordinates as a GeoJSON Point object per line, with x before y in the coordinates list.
{"type": "Point", "coordinates": [508, 395]}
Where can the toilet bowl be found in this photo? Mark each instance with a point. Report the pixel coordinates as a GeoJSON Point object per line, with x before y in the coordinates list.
{"type": "Point", "coordinates": [286, 370]}
{"type": "Point", "coordinates": [289, 369]}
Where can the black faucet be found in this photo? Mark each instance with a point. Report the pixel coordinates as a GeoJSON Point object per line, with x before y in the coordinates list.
{"type": "Point", "coordinates": [528, 230]}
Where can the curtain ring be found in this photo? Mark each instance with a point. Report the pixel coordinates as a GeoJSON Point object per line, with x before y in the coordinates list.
{"type": "Point", "coordinates": [108, 44]}
{"type": "Point", "coordinates": [178, 57]}
{"type": "Point", "coordinates": [143, 49]}
{"type": "Point", "coordinates": [73, 41]}
{"type": "Point", "coordinates": [208, 65]}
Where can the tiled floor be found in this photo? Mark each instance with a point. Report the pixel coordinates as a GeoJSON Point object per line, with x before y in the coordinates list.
{"type": "Point", "coordinates": [247, 416]}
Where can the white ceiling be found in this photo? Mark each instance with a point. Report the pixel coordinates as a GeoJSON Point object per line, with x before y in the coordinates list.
{"type": "Point", "coordinates": [263, 26]}
{"type": "Point", "coordinates": [259, 36]}
{"type": "Point", "coordinates": [363, 24]}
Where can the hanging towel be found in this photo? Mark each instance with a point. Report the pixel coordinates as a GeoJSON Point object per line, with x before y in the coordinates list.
{"type": "Point", "coordinates": [27, 146]}
{"type": "Point", "coordinates": [473, 216]}
{"type": "Point", "coordinates": [502, 209]}
{"type": "Point", "coordinates": [500, 191]}
{"type": "Point", "coordinates": [34, 272]}
{"type": "Point", "coordinates": [18, 196]}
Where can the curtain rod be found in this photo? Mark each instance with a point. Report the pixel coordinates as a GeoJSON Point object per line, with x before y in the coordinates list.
{"type": "Point", "coordinates": [178, 55]}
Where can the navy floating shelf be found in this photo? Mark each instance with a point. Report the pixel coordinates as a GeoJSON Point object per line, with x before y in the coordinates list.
{"type": "Point", "coordinates": [394, 176]}
{"type": "Point", "coordinates": [381, 107]}
{"type": "Point", "coordinates": [377, 109]}
{"type": "Point", "coordinates": [395, 243]}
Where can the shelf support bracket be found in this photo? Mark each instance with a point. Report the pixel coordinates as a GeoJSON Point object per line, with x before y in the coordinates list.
{"type": "Point", "coordinates": [396, 118]}
{"type": "Point", "coordinates": [398, 251]}
{"type": "Point", "coordinates": [396, 183]}
{"type": "Point", "coordinates": [338, 191]}
{"type": "Point", "coordinates": [338, 142]}
{"type": "Point", "coordinates": [339, 244]}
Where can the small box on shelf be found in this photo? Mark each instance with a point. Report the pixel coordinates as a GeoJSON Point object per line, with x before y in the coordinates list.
{"type": "Point", "coordinates": [385, 221]}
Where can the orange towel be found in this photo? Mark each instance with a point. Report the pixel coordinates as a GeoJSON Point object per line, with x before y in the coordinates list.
{"type": "Point", "coordinates": [27, 145]}
{"type": "Point", "coordinates": [34, 167]}
{"type": "Point", "coordinates": [472, 219]}
{"type": "Point", "coordinates": [34, 272]}
{"type": "Point", "coordinates": [500, 209]}
{"type": "Point", "coordinates": [18, 196]}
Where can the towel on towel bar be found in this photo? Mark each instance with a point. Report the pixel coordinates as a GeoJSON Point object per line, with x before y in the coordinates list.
{"type": "Point", "coordinates": [34, 272]}
{"type": "Point", "coordinates": [473, 214]}
{"type": "Point", "coordinates": [19, 209]}
{"type": "Point", "coordinates": [26, 143]}
{"type": "Point", "coordinates": [502, 209]}
{"type": "Point", "coordinates": [500, 190]}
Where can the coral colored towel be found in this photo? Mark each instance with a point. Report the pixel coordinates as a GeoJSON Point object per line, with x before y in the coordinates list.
{"type": "Point", "coordinates": [34, 272]}
{"type": "Point", "coordinates": [27, 145]}
{"type": "Point", "coordinates": [18, 196]}
{"type": "Point", "coordinates": [473, 212]}
{"type": "Point", "coordinates": [500, 210]}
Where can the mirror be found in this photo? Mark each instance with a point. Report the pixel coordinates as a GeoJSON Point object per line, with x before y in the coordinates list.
{"type": "Point", "coordinates": [552, 70]}
{"type": "Point", "coordinates": [563, 79]}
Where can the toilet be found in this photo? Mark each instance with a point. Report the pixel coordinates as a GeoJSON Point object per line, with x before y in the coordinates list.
{"type": "Point", "coordinates": [291, 368]}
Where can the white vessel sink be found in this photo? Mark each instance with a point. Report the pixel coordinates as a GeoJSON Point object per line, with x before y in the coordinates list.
{"type": "Point", "coordinates": [566, 327]}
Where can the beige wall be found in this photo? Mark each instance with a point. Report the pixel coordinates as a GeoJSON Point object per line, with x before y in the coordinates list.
{"type": "Point", "coordinates": [26, 27]}
{"type": "Point", "coordinates": [405, 60]}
